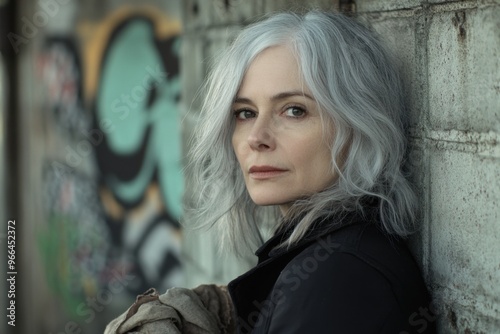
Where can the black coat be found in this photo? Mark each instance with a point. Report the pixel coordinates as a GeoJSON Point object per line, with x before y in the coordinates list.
{"type": "Point", "coordinates": [355, 279]}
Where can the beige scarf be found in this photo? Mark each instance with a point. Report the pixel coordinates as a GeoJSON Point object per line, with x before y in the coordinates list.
{"type": "Point", "coordinates": [206, 309]}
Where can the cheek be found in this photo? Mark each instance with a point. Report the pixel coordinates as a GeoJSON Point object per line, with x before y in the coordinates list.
{"type": "Point", "coordinates": [237, 147]}
{"type": "Point", "coordinates": [235, 140]}
{"type": "Point", "coordinates": [322, 162]}
{"type": "Point", "coordinates": [233, 144]}
{"type": "Point", "coordinates": [237, 137]}
{"type": "Point", "coordinates": [308, 157]}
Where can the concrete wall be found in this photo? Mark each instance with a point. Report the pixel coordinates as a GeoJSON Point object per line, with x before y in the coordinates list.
{"type": "Point", "coordinates": [450, 57]}
{"type": "Point", "coordinates": [451, 53]}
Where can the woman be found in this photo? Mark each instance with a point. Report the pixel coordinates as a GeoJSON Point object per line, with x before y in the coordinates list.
{"type": "Point", "coordinates": [302, 126]}
{"type": "Point", "coordinates": [302, 129]}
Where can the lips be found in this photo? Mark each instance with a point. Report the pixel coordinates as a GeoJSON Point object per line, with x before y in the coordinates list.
{"type": "Point", "coordinates": [265, 172]}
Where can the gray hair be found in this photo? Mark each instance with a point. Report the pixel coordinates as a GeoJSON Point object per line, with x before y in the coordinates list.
{"type": "Point", "coordinates": [354, 80]}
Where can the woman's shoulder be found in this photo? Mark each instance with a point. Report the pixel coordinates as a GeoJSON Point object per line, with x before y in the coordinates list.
{"type": "Point", "coordinates": [357, 272]}
{"type": "Point", "coordinates": [358, 249]}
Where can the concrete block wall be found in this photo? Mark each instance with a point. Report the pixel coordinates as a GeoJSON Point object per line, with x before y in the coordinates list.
{"type": "Point", "coordinates": [450, 58]}
{"type": "Point", "coordinates": [450, 52]}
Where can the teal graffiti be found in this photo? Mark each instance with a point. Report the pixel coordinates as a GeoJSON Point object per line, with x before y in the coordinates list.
{"type": "Point", "coordinates": [138, 98]}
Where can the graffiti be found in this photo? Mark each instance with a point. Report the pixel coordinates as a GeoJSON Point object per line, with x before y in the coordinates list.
{"type": "Point", "coordinates": [60, 70]}
{"type": "Point", "coordinates": [74, 241]}
{"type": "Point", "coordinates": [114, 203]}
{"type": "Point", "coordinates": [134, 86]}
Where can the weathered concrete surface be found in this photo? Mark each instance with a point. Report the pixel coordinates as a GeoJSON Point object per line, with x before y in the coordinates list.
{"type": "Point", "coordinates": [464, 166]}
{"type": "Point", "coordinates": [384, 6]}
{"type": "Point", "coordinates": [451, 58]}
{"type": "Point", "coordinates": [464, 233]}
{"type": "Point", "coordinates": [401, 34]}
{"type": "Point", "coordinates": [463, 53]}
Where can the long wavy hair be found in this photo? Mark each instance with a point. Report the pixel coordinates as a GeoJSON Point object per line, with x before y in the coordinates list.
{"type": "Point", "coordinates": [357, 86]}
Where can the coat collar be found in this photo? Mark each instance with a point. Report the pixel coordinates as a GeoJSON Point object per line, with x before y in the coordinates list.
{"type": "Point", "coordinates": [319, 228]}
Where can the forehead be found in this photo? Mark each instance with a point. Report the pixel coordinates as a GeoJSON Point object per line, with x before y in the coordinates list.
{"type": "Point", "coordinates": [275, 55]}
{"type": "Point", "coordinates": [274, 70]}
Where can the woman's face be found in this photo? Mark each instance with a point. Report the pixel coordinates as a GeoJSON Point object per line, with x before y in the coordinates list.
{"type": "Point", "coordinates": [278, 139]}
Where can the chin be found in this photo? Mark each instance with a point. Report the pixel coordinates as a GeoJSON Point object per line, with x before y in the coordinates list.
{"type": "Point", "coordinates": [263, 202]}
{"type": "Point", "coordinates": [269, 200]}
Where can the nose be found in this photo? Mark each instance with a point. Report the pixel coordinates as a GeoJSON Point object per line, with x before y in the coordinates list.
{"type": "Point", "coordinates": [261, 136]}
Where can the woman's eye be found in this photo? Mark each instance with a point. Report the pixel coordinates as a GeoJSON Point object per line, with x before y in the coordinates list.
{"type": "Point", "coordinates": [244, 114]}
{"type": "Point", "coordinates": [295, 112]}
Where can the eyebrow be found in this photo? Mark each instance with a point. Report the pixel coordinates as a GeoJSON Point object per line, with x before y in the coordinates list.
{"type": "Point", "coordinates": [277, 97]}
